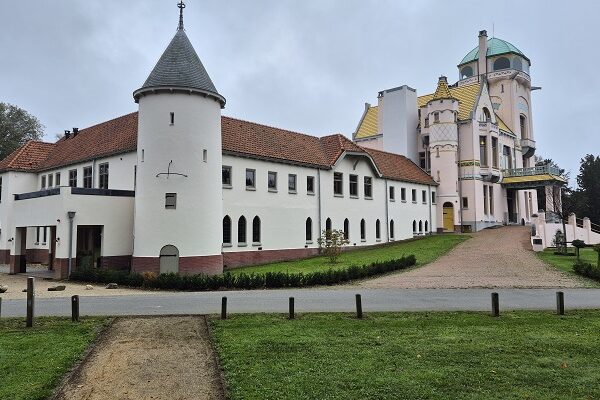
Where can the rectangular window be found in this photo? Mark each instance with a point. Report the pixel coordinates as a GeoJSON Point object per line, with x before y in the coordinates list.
{"type": "Point", "coordinates": [250, 178]}
{"type": "Point", "coordinates": [45, 235]}
{"type": "Point", "coordinates": [205, 155]}
{"type": "Point", "coordinates": [354, 185]}
{"type": "Point", "coordinates": [403, 194]}
{"type": "Point", "coordinates": [392, 193]}
{"type": "Point", "coordinates": [506, 158]}
{"type": "Point", "coordinates": [226, 175]}
{"type": "Point", "coordinates": [37, 235]}
{"type": "Point", "coordinates": [310, 184]}
{"type": "Point", "coordinates": [483, 151]}
{"type": "Point", "coordinates": [422, 162]}
{"type": "Point", "coordinates": [465, 202]}
{"type": "Point", "coordinates": [103, 176]}
{"type": "Point", "coordinates": [338, 183]}
{"type": "Point", "coordinates": [57, 179]}
{"type": "Point", "coordinates": [491, 200]}
{"type": "Point", "coordinates": [432, 197]}
{"type": "Point", "coordinates": [50, 180]}
{"type": "Point", "coordinates": [172, 118]}
{"type": "Point", "coordinates": [170, 201]}
{"type": "Point", "coordinates": [0, 189]}
{"type": "Point", "coordinates": [486, 209]}
{"type": "Point", "coordinates": [424, 196]}
{"type": "Point", "coordinates": [368, 187]}
{"type": "Point", "coordinates": [43, 182]}
{"type": "Point", "coordinates": [495, 152]}
{"type": "Point", "coordinates": [272, 181]}
{"type": "Point", "coordinates": [87, 177]}
{"type": "Point", "coordinates": [73, 178]}
{"type": "Point", "coordinates": [292, 183]}
{"type": "Point", "coordinates": [414, 195]}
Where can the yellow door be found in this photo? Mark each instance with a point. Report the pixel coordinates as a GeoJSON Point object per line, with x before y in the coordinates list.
{"type": "Point", "coordinates": [448, 217]}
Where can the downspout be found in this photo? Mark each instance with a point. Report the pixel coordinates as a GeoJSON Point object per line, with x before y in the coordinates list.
{"type": "Point", "coordinates": [387, 214]}
{"type": "Point", "coordinates": [319, 199]}
{"type": "Point", "coordinates": [429, 186]}
{"type": "Point", "coordinates": [460, 203]}
{"type": "Point", "coordinates": [71, 215]}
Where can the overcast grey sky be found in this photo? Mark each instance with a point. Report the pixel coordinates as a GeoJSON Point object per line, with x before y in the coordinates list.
{"type": "Point", "coordinates": [303, 65]}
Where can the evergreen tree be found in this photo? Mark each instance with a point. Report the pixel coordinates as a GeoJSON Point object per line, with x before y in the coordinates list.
{"type": "Point", "coordinates": [17, 126]}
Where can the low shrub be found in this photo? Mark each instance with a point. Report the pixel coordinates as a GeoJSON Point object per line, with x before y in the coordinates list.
{"type": "Point", "coordinates": [269, 280]}
{"type": "Point", "coordinates": [588, 270]}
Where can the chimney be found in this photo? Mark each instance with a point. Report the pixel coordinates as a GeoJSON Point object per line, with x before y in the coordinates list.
{"type": "Point", "coordinates": [75, 131]}
{"type": "Point", "coordinates": [482, 63]}
{"type": "Point", "coordinates": [67, 134]}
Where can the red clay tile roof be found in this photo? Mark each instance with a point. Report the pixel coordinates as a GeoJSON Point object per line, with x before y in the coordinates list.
{"type": "Point", "coordinates": [27, 157]}
{"type": "Point", "coordinates": [397, 167]}
{"type": "Point", "coordinates": [238, 137]}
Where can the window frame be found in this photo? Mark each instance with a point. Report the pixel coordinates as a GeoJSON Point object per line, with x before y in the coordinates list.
{"type": "Point", "coordinates": [483, 162]}
{"type": "Point", "coordinates": [256, 231]}
{"type": "Point", "coordinates": [308, 230]}
{"type": "Point", "coordinates": [310, 179]}
{"type": "Point", "coordinates": [57, 179]}
{"type": "Point", "coordinates": [73, 178]}
{"type": "Point", "coordinates": [403, 194]}
{"type": "Point", "coordinates": [353, 186]}
{"type": "Point", "coordinates": [273, 188]}
{"type": "Point", "coordinates": [229, 170]}
{"type": "Point", "coordinates": [242, 231]}
{"type": "Point", "coordinates": [338, 184]}
{"type": "Point", "coordinates": [43, 183]}
{"type": "Point", "coordinates": [170, 201]}
{"type": "Point", "coordinates": [292, 183]}
{"type": "Point", "coordinates": [88, 179]}
{"type": "Point", "coordinates": [368, 187]}
{"type": "Point", "coordinates": [413, 195]}
{"type": "Point", "coordinates": [103, 174]}
{"type": "Point", "coordinates": [227, 231]}
{"type": "Point", "coordinates": [50, 181]}
{"type": "Point", "coordinates": [392, 193]}
{"type": "Point", "coordinates": [252, 173]}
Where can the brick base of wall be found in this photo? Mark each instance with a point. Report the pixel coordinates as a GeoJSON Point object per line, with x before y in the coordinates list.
{"type": "Point", "coordinates": [61, 268]}
{"type": "Point", "coordinates": [209, 265]}
{"type": "Point", "coordinates": [243, 258]}
{"type": "Point", "coordinates": [4, 257]}
{"type": "Point", "coordinates": [16, 264]}
{"type": "Point", "coordinates": [38, 256]}
{"type": "Point", "coordinates": [120, 263]}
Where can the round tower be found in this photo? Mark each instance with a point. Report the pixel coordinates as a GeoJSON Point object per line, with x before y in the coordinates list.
{"type": "Point", "coordinates": [442, 111]}
{"type": "Point", "coordinates": [178, 200]}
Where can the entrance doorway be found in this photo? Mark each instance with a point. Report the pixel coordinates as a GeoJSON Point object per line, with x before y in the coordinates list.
{"type": "Point", "coordinates": [511, 204]}
{"type": "Point", "coordinates": [448, 217]}
{"type": "Point", "coordinates": [89, 246]}
{"type": "Point", "coordinates": [169, 259]}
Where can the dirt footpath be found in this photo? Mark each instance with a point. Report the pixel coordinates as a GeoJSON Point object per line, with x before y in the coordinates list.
{"type": "Point", "coordinates": [493, 258]}
{"type": "Point", "coordinates": [167, 358]}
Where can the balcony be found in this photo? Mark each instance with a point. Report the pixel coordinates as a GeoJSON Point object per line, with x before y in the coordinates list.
{"type": "Point", "coordinates": [533, 177]}
{"type": "Point", "coordinates": [528, 147]}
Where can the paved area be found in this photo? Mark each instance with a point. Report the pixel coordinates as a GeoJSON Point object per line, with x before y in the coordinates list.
{"type": "Point", "coordinates": [493, 258]}
{"type": "Point", "coordinates": [168, 358]}
{"type": "Point", "coordinates": [310, 300]}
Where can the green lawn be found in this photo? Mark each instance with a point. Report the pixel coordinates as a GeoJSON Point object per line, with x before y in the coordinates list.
{"type": "Point", "coordinates": [565, 263]}
{"type": "Point", "coordinates": [425, 249]}
{"type": "Point", "coordinates": [521, 355]}
{"type": "Point", "coordinates": [32, 361]}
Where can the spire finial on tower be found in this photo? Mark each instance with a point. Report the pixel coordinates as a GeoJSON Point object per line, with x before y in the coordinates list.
{"type": "Point", "coordinates": [181, 6]}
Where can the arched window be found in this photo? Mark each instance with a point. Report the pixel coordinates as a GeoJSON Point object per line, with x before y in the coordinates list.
{"type": "Point", "coordinates": [308, 229]}
{"type": "Point", "coordinates": [256, 230]}
{"type": "Point", "coordinates": [227, 230]}
{"type": "Point", "coordinates": [466, 72]}
{"type": "Point", "coordinates": [169, 260]}
{"type": "Point", "coordinates": [420, 226]}
{"type": "Point", "coordinates": [363, 230]}
{"type": "Point", "coordinates": [377, 230]}
{"type": "Point", "coordinates": [523, 124]}
{"type": "Point", "coordinates": [242, 230]}
{"type": "Point", "coordinates": [426, 226]}
{"type": "Point", "coordinates": [518, 63]}
{"type": "Point", "coordinates": [501, 63]}
{"type": "Point", "coordinates": [487, 117]}
{"type": "Point", "coordinates": [346, 229]}
{"type": "Point", "coordinates": [414, 226]}
{"type": "Point", "coordinates": [391, 229]}
{"type": "Point", "coordinates": [328, 224]}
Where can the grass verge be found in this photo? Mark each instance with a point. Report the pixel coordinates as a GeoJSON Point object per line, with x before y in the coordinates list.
{"type": "Point", "coordinates": [527, 355]}
{"type": "Point", "coordinates": [33, 360]}
{"type": "Point", "coordinates": [425, 249]}
{"type": "Point", "coordinates": [565, 263]}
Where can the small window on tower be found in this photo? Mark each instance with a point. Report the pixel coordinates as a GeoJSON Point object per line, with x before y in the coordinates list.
{"type": "Point", "coordinates": [205, 155]}
{"type": "Point", "coordinates": [170, 201]}
{"type": "Point", "coordinates": [172, 118]}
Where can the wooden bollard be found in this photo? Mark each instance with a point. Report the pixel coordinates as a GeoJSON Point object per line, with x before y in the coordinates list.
{"type": "Point", "coordinates": [75, 308]}
{"type": "Point", "coordinates": [29, 321]}
{"type": "Point", "coordinates": [292, 308]}
{"type": "Point", "coordinates": [359, 313]}
{"type": "Point", "coordinates": [0, 306]}
{"type": "Point", "coordinates": [224, 308]}
{"type": "Point", "coordinates": [495, 305]}
{"type": "Point", "coordinates": [560, 303]}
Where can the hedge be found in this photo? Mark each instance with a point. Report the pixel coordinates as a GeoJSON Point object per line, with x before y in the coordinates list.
{"type": "Point", "coordinates": [227, 280]}
{"type": "Point", "coordinates": [588, 270]}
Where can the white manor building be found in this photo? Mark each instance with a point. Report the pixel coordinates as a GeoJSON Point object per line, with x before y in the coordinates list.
{"type": "Point", "coordinates": [177, 187]}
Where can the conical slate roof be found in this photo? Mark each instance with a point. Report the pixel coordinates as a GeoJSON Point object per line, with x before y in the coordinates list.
{"type": "Point", "coordinates": [180, 69]}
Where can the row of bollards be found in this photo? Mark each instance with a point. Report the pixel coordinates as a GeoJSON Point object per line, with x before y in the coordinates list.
{"type": "Point", "coordinates": [560, 306]}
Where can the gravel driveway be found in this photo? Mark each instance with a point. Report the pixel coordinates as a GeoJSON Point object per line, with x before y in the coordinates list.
{"type": "Point", "coordinates": [493, 258]}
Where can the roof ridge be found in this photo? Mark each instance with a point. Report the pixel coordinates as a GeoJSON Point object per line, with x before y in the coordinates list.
{"type": "Point", "coordinates": [367, 149]}
{"type": "Point", "coordinates": [271, 126]}
{"type": "Point", "coordinates": [106, 122]}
